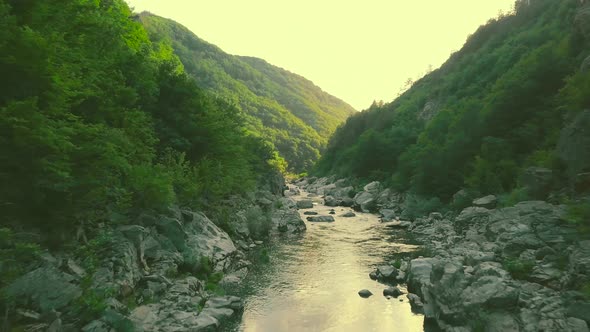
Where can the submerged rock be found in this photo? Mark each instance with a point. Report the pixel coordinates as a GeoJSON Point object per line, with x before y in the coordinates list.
{"type": "Point", "coordinates": [321, 219]}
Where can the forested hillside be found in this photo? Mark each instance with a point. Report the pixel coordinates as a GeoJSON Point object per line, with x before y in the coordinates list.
{"type": "Point", "coordinates": [285, 108]}
{"type": "Point", "coordinates": [98, 123]}
{"type": "Point", "coordinates": [511, 105]}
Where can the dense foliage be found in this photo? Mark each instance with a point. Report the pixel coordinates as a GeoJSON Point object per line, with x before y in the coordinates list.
{"type": "Point", "coordinates": [98, 122]}
{"type": "Point", "coordinates": [286, 109]}
{"type": "Point", "coordinates": [494, 109]}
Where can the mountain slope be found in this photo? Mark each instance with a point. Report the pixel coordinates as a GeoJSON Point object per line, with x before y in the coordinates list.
{"type": "Point", "coordinates": [288, 110]}
{"type": "Point", "coordinates": [494, 110]}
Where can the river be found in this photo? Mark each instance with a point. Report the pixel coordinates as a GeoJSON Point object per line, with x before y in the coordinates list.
{"type": "Point", "coordinates": [311, 282]}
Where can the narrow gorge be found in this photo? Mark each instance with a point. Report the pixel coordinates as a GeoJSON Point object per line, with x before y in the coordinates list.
{"type": "Point", "coordinates": [152, 182]}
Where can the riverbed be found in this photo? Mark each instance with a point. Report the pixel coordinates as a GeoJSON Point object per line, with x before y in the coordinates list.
{"type": "Point", "coordinates": [311, 281]}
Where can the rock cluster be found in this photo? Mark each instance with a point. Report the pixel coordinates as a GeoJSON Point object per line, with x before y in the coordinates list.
{"type": "Point", "coordinates": [143, 279]}
{"type": "Point", "coordinates": [511, 269]}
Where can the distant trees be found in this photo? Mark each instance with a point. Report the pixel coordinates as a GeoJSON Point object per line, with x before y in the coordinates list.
{"type": "Point", "coordinates": [500, 104]}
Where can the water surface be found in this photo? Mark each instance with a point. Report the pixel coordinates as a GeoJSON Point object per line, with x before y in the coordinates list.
{"type": "Point", "coordinates": [311, 282]}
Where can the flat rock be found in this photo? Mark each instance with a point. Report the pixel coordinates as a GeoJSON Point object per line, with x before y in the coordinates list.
{"type": "Point", "coordinates": [321, 219]}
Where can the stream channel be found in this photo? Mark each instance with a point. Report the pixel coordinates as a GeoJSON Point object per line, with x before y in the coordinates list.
{"type": "Point", "coordinates": [311, 281]}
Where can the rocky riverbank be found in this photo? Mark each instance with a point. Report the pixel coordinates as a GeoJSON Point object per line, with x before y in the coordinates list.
{"type": "Point", "coordinates": [161, 272]}
{"type": "Point", "coordinates": [519, 268]}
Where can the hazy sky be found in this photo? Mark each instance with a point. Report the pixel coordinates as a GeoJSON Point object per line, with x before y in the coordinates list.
{"type": "Point", "coordinates": [359, 51]}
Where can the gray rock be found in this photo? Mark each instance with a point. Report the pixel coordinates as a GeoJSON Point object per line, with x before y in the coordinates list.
{"type": "Point", "coordinates": [46, 288]}
{"type": "Point", "coordinates": [392, 291]}
{"type": "Point", "coordinates": [419, 273]}
{"type": "Point", "coordinates": [435, 216]}
{"type": "Point", "coordinates": [387, 273]}
{"type": "Point", "coordinates": [416, 303]}
{"type": "Point", "coordinates": [364, 201]}
{"type": "Point", "coordinates": [75, 269]}
{"type": "Point", "coordinates": [321, 219]}
{"type": "Point", "coordinates": [544, 273]}
{"type": "Point", "coordinates": [488, 202]}
{"type": "Point", "coordinates": [305, 204]}
{"type": "Point", "coordinates": [577, 325]}
{"type": "Point", "coordinates": [490, 291]}
{"type": "Point", "coordinates": [387, 214]}
{"type": "Point", "coordinates": [501, 322]}
{"type": "Point", "coordinates": [289, 221]}
{"type": "Point", "coordinates": [310, 213]}
{"type": "Point", "coordinates": [348, 214]}
{"type": "Point", "coordinates": [373, 275]}
{"type": "Point", "coordinates": [331, 201]}
{"type": "Point", "coordinates": [373, 187]}
{"type": "Point", "coordinates": [365, 293]}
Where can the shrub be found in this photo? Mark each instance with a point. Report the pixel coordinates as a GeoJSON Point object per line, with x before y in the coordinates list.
{"type": "Point", "coordinates": [517, 195]}
{"type": "Point", "coordinates": [15, 256]}
{"type": "Point", "coordinates": [578, 213]}
{"type": "Point", "coordinates": [519, 269]}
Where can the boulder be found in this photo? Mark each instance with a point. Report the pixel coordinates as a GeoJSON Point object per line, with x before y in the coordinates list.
{"type": "Point", "coordinates": [387, 273]}
{"type": "Point", "coordinates": [488, 202]}
{"type": "Point", "coordinates": [392, 291]}
{"type": "Point", "coordinates": [387, 214]}
{"type": "Point", "coordinates": [305, 204]}
{"type": "Point", "coordinates": [310, 213]}
{"type": "Point", "coordinates": [331, 201]}
{"type": "Point", "coordinates": [45, 288]}
{"type": "Point", "coordinates": [416, 303]}
{"type": "Point", "coordinates": [364, 201]}
{"type": "Point", "coordinates": [373, 187]}
{"type": "Point", "coordinates": [419, 274]}
{"type": "Point", "coordinates": [321, 219]}
{"type": "Point", "coordinates": [348, 214]}
{"type": "Point", "coordinates": [365, 293]}
{"type": "Point", "coordinates": [289, 221]}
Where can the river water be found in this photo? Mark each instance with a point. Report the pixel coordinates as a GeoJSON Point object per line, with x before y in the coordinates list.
{"type": "Point", "coordinates": [311, 282]}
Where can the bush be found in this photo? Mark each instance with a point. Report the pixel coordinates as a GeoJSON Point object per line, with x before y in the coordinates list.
{"type": "Point", "coordinates": [152, 187]}
{"type": "Point", "coordinates": [15, 256]}
{"type": "Point", "coordinates": [519, 269]}
{"type": "Point", "coordinates": [517, 195]}
{"type": "Point", "coordinates": [578, 213]}
{"type": "Point", "coordinates": [91, 253]}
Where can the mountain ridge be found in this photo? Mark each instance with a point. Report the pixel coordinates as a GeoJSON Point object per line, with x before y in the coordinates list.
{"type": "Point", "coordinates": [287, 109]}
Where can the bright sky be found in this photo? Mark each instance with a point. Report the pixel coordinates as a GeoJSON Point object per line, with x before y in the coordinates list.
{"type": "Point", "coordinates": [359, 51]}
